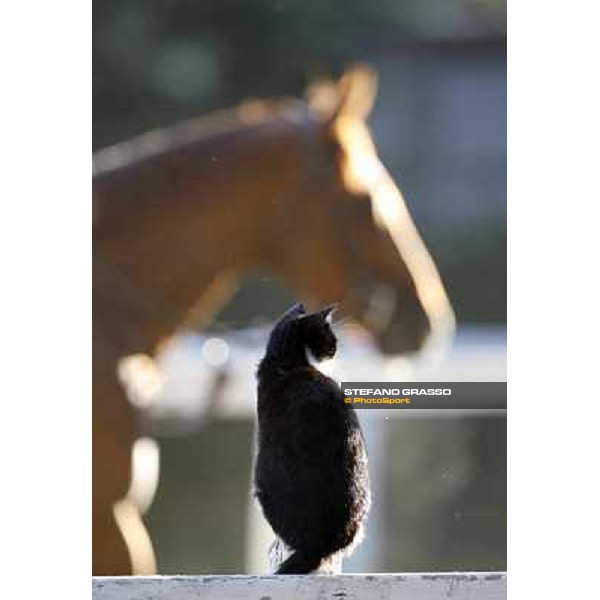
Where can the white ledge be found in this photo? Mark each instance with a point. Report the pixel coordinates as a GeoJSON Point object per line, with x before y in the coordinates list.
{"type": "Point", "coordinates": [413, 586]}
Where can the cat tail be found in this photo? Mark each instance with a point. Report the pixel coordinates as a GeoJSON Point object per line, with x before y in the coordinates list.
{"type": "Point", "coordinates": [299, 564]}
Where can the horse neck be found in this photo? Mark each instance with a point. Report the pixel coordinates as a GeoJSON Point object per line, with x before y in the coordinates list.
{"type": "Point", "coordinates": [174, 227]}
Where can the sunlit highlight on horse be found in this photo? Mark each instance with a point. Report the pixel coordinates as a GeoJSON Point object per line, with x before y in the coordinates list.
{"type": "Point", "coordinates": [142, 378]}
{"type": "Point", "coordinates": [364, 174]}
{"type": "Point", "coordinates": [127, 512]}
{"type": "Point", "coordinates": [137, 540]}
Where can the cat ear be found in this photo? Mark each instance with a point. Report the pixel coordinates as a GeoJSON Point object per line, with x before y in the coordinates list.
{"type": "Point", "coordinates": [297, 310]}
{"type": "Point", "coordinates": [322, 315]}
{"type": "Point", "coordinates": [327, 312]}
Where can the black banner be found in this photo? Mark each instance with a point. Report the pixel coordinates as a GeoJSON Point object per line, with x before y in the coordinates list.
{"type": "Point", "coordinates": [455, 395]}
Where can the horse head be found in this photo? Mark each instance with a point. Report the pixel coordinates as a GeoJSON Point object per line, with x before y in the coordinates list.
{"type": "Point", "coordinates": [292, 186]}
{"type": "Point", "coordinates": [357, 242]}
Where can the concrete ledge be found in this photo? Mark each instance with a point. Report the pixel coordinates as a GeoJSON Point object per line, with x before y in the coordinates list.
{"type": "Point", "coordinates": [410, 586]}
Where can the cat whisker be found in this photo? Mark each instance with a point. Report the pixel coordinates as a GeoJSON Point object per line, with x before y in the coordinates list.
{"type": "Point", "coordinates": [341, 322]}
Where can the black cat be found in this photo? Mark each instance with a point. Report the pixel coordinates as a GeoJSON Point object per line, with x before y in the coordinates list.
{"type": "Point", "coordinates": [311, 474]}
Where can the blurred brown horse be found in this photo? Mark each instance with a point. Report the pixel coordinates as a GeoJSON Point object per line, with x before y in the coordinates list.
{"type": "Point", "coordinates": [290, 186]}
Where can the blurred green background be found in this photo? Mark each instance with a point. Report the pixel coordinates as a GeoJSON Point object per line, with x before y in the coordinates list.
{"type": "Point", "coordinates": [440, 126]}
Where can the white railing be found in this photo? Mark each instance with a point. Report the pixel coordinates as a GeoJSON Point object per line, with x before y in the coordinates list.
{"type": "Point", "coordinates": [413, 586]}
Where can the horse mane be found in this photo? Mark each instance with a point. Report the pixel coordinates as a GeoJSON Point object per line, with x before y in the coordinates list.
{"type": "Point", "coordinates": [351, 98]}
{"type": "Point", "coordinates": [219, 126]}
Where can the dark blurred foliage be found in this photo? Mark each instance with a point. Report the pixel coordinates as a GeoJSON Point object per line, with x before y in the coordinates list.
{"type": "Point", "coordinates": [198, 518]}
{"type": "Point", "coordinates": [155, 61]}
{"type": "Point", "coordinates": [439, 121]}
{"type": "Point", "coordinates": [446, 501]}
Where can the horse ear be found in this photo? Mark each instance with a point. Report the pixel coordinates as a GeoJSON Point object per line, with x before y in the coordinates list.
{"type": "Point", "coordinates": [353, 95]}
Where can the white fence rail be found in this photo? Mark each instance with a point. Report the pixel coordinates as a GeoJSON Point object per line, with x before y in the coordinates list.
{"type": "Point", "coordinates": [409, 586]}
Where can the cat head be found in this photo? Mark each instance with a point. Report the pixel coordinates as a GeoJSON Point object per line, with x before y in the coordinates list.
{"type": "Point", "coordinates": [297, 332]}
{"type": "Point", "coordinates": [317, 333]}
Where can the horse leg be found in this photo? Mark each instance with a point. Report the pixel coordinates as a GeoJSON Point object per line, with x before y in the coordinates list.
{"type": "Point", "coordinates": [113, 434]}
